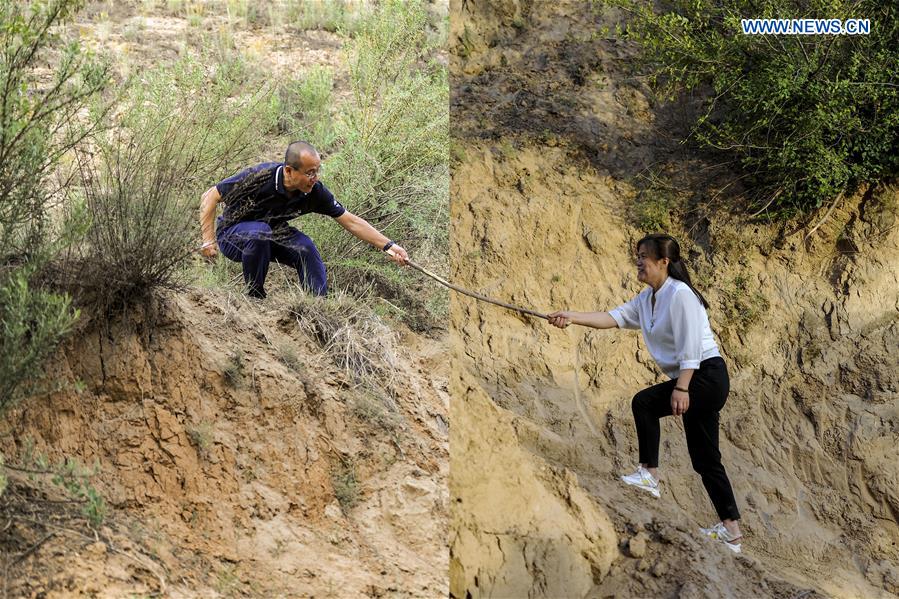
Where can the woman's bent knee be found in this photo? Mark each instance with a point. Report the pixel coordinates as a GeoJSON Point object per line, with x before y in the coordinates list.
{"type": "Point", "coordinates": [639, 401]}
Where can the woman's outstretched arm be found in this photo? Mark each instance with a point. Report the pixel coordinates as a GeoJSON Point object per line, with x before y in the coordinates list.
{"type": "Point", "coordinates": [596, 320]}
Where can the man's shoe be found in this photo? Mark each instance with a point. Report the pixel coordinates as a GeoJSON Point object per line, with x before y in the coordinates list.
{"type": "Point", "coordinates": [719, 533]}
{"type": "Point", "coordinates": [644, 480]}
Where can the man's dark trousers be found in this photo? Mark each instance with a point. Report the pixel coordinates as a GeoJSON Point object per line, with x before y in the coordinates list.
{"type": "Point", "coordinates": [255, 245]}
{"type": "Point", "coordinates": [709, 388]}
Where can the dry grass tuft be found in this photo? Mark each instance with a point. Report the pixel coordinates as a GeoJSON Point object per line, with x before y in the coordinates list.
{"type": "Point", "coordinates": [350, 333]}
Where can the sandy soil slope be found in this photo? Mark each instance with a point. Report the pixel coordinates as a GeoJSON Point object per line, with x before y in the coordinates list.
{"type": "Point", "coordinates": [221, 487]}
{"type": "Point", "coordinates": [551, 134]}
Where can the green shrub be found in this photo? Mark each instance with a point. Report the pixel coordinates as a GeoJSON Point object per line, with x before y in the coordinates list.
{"type": "Point", "coordinates": [391, 163]}
{"type": "Point", "coordinates": [40, 122]}
{"type": "Point", "coordinates": [375, 407]}
{"type": "Point", "coordinates": [287, 355]}
{"type": "Point", "coordinates": [650, 212]}
{"type": "Point", "coordinates": [328, 15]}
{"type": "Point", "coordinates": [180, 131]}
{"type": "Point", "coordinates": [807, 116]}
{"type": "Point", "coordinates": [241, 11]}
{"type": "Point", "coordinates": [304, 108]}
{"type": "Point", "coordinates": [69, 475]}
{"type": "Point", "coordinates": [202, 436]}
{"type": "Point", "coordinates": [32, 322]}
{"type": "Point", "coordinates": [392, 166]}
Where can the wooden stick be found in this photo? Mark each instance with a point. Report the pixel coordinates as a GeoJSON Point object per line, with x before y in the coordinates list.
{"type": "Point", "coordinates": [476, 296]}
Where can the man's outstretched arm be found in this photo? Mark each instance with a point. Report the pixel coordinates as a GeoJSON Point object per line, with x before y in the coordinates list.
{"type": "Point", "coordinates": [362, 229]}
{"type": "Point", "coordinates": [207, 221]}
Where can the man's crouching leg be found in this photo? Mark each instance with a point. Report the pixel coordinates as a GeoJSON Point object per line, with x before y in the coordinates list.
{"type": "Point", "coordinates": [299, 251]}
{"type": "Point", "coordinates": [250, 244]}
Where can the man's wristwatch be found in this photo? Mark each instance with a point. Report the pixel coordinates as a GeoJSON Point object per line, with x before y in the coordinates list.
{"type": "Point", "coordinates": [387, 246]}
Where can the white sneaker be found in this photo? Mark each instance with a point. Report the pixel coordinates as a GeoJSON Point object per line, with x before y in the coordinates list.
{"type": "Point", "coordinates": [644, 480]}
{"type": "Point", "coordinates": [719, 533]}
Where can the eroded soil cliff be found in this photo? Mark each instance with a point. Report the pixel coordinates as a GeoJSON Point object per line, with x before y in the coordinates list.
{"type": "Point", "coordinates": [236, 458]}
{"type": "Point", "coordinates": [558, 148]}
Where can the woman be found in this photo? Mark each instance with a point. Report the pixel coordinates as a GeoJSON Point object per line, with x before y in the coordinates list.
{"type": "Point", "coordinates": [672, 315]}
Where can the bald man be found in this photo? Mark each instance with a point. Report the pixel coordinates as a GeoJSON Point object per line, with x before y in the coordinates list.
{"type": "Point", "coordinates": [258, 204]}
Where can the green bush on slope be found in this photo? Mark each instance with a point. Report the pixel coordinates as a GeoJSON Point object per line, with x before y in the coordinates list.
{"type": "Point", "coordinates": [807, 116]}
{"type": "Point", "coordinates": [38, 127]}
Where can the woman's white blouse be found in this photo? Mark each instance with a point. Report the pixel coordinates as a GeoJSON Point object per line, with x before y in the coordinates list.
{"type": "Point", "coordinates": [677, 331]}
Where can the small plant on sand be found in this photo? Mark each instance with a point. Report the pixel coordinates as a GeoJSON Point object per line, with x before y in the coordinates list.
{"type": "Point", "coordinates": [68, 475]}
{"type": "Point", "coordinates": [228, 581]}
{"type": "Point", "coordinates": [346, 487]}
{"type": "Point", "coordinates": [650, 212]}
{"type": "Point", "coordinates": [234, 369]}
{"type": "Point", "coordinates": [288, 356]}
{"type": "Point", "coordinates": [742, 304]}
{"type": "Point", "coordinates": [3, 481]}
{"type": "Point", "coordinates": [201, 436]}
{"type": "Point", "coordinates": [375, 407]}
